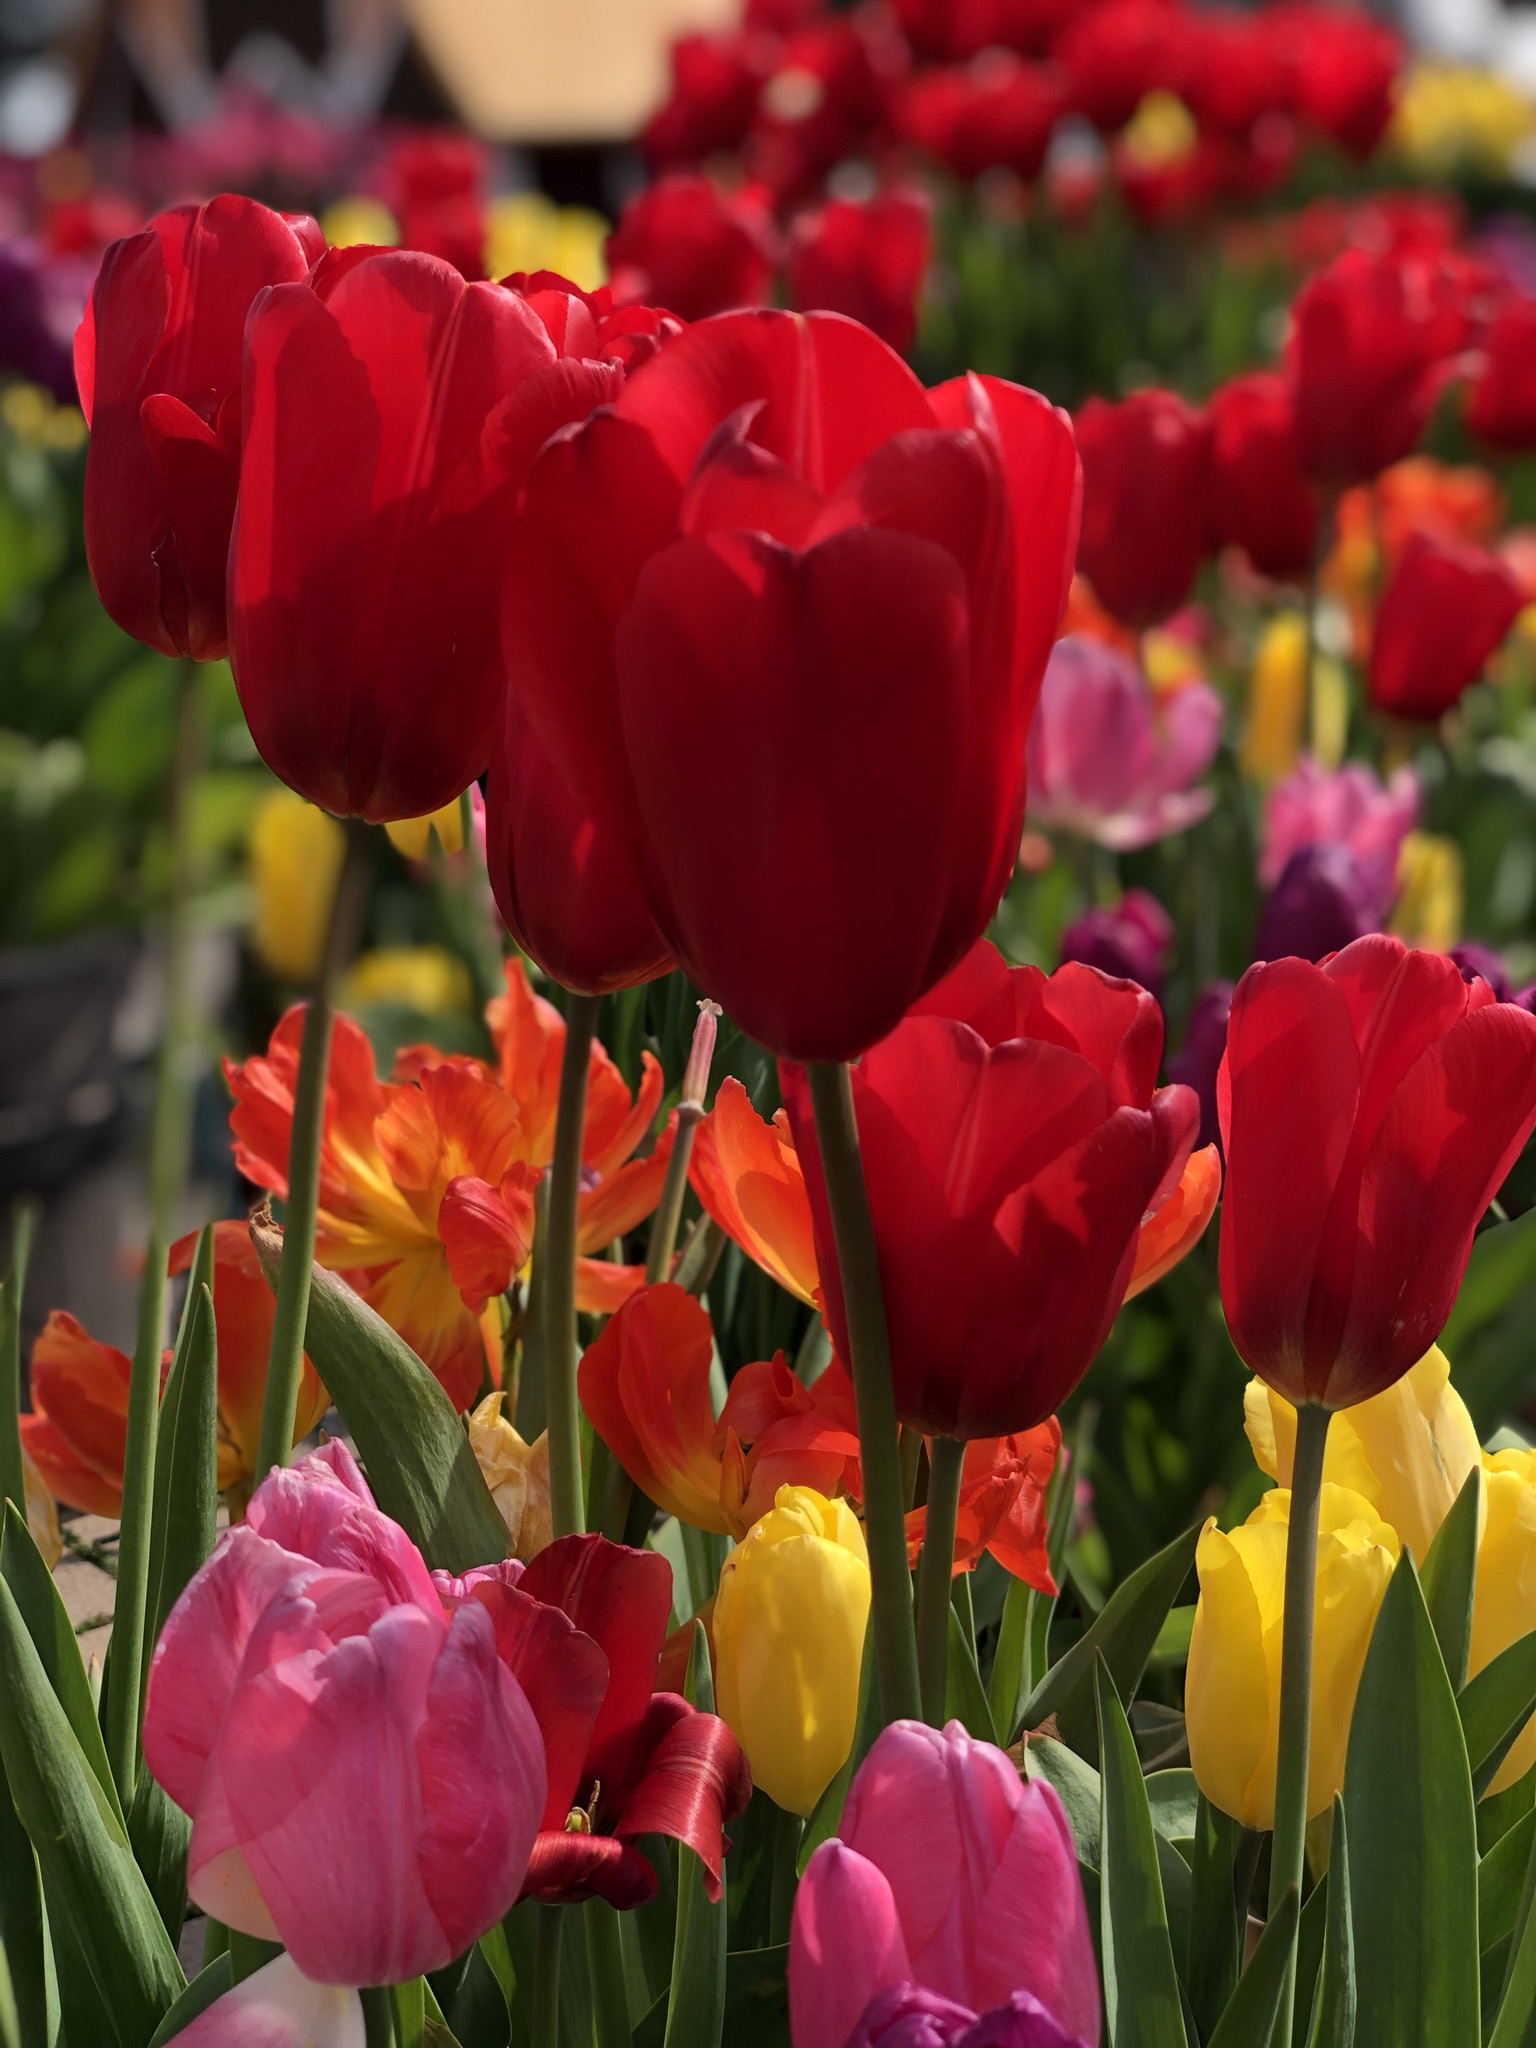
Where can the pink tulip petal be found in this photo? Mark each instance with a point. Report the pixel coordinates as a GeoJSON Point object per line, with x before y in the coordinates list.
{"type": "Point", "coordinates": [321, 1508]}
{"type": "Point", "coordinates": [1032, 1933]}
{"type": "Point", "coordinates": [845, 1945]}
{"type": "Point", "coordinates": [277, 2007]}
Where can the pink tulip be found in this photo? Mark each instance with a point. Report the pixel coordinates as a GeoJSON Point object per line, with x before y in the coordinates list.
{"type": "Point", "coordinates": [365, 1777]}
{"type": "Point", "coordinates": [1350, 808]}
{"type": "Point", "coordinates": [278, 2008]}
{"type": "Point", "coordinates": [1112, 760]}
{"type": "Point", "coordinates": [950, 1874]}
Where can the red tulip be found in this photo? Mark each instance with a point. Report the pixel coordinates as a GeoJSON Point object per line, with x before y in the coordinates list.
{"type": "Point", "coordinates": [1231, 70]}
{"type": "Point", "coordinates": [1260, 499]}
{"type": "Point", "coordinates": [1373, 341]}
{"type": "Point", "coordinates": [715, 83]}
{"type": "Point", "coordinates": [1441, 617]}
{"type": "Point", "coordinates": [1146, 493]}
{"type": "Point", "coordinates": [1013, 1141]}
{"type": "Point", "coordinates": [995, 112]}
{"type": "Point", "coordinates": [1346, 66]}
{"type": "Point", "coordinates": [436, 181]}
{"type": "Point", "coordinates": [1501, 407]}
{"type": "Point", "coordinates": [1114, 55]}
{"type": "Point", "coordinates": [582, 1629]}
{"type": "Point", "coordinates": [828, 88]}
{"type": "Point", "coordinates": [157, 362]}
{"type": "Point", "coordinates": [823, 606]}
{"type": "Point", "coordinates": [949, 31]}
{"type": "Point", "coordinates": [1370, 1108]}
{"type": "Point", "coordinates": [864, 258]}
{"type": "Point", "coordinates": [685, 244]}
{"type": "Point", "coordinates": [391, 411]}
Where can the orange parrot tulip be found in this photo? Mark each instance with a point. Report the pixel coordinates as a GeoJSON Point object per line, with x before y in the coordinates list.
{"type": "Point", "coordinates": [1003, 1484]}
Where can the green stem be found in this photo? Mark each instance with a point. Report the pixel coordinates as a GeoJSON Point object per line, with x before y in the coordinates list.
{"type": "Point", "coordinates": [946, 1458]}
{"type": "Point", "coordinates": [605, 1962]}
{"type": "Point", "coordinates": [13, 1485]}
{"type": "Point", "coordinates": [563, 1411]}
{"type": "Point", "coordinates": [170, 1142]}
{"type": "Point", "coordinates": [910, 1453]}
{"type": "Point", "coordinates": [669, 1210]}
{"type": "Point", "coordinates": [1288, 1850]}
{"type": "Point", "coordinates": [249, 1953]}
{"type": "Point", "coordinates": [546, 1977]}
{"type": "Point", "coordinates": [378, 2017]}
{"type": "Point", "coordinates": [285, 1353]}
{"type": "Point", "coordinates": [788, 1828]}
{"type": "Point", "coordinates": [408, 2008]}
{"type": "Point", "coordinates": [858, 1265]}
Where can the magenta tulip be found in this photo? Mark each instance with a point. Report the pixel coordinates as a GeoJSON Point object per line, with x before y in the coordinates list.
{"type": "Point", "coordinates": [949, 1874]}
{"type": "Point", "coordinates": [365, 1777]}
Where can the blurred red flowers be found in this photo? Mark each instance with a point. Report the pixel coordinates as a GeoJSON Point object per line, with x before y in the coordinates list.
{"type": "Point", "coordinates": [1146, 499]}
{"type": "Point", "coordinates": [808, 538]}
{"type": "Point", "coordinates": [157, 362]}
{"type": "Point", "coordinates": [685, 244]}
{"type": "Point", "coordinates": [1261, 500]}
{"type": "Point", "coordinates": [1501, 406]}
{"type": "Point", "coordinates": [1370, 1108]}
{"type": "Point", "coordinates": [865, 258]}
{"type": "Point", "coordinates": [1445, 610]}
{"type": "Point", "coordinates": [994, 112]}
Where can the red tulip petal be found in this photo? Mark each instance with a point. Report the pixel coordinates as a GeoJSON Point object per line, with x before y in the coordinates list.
{"type": "Point", "coordinates": [695, 1779]}
{"type": "Point", "coordinates": [1175, 1228]}
{"type": "Point", "coordinates": [568, 1866]}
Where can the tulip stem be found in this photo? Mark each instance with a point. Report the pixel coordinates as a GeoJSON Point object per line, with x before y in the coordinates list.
{"type": "Point", "coordinates": [550, 1924]}
{"type": "Point", "coordinates": [946, 1458]}
{"type": "Point", "coordinates": [858, 1265]}
{"type": "Point", "coordinates": [170, 1144]}
{"type": "Point", "coordinates": [285, 1353]}
{"type": "Point", "coordinates": [558, 1281]}
{"type": "Point", "coordinates": [13, 1484]}
{"type": "Point", "coordinates": [1288, 1850]}
{"type": "Point", "coordinates": [788, 1830]}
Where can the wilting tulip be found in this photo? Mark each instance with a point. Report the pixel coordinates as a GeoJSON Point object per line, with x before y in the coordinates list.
{"type": "Point", "coordinates": [1348, 807]}
{"type": "Point", "coordinates": [746, 1174]}
{"type": "Point", "coordinates": [1440, 620]}
{"type": "Point", "coordinates": [1501, 399]}
{"type": "Point", "coordinates": [1146, 502]}
{"type": "Point", "coordinates": [948, 1874]}
{"type": "Point", "coordinates": [365, 593]}
{"type": "Point", "coordinates": [1232, 1684]}
{"type": "Point", "coordinates": [516, 1476]}
{"type": "Point", "coordinates": [866, 258]}
{"type": "Point", "coordinates": [311, 1707]}
{"type": "Point", "coordinates": [1373, 341]}
{"type": "Point", "coordinates": [1370, 1109]}
{"type": "Point", "coordinates": [1407, 1450]}
{"type": "Point", "coordinates": [158, 364]}
{"type": "Point", "coordinates": [1012, 1133]}
{"type": "Point", "coordinates": [684, 243]}
{"type": "Point", "coordinates": [582, 1629]}
{"type": "Point", "coordinates": [277, 2007]}
{"type": "Point", "coordinates": [1504, 1601]}
{"type": "Point", "coordinates": [788, 1631]}
{"type": "Point", "coordinates": [841, 554]}
{"type": "Point", "coordinates": [993, 113]}
{"type": "Point", "coordinates": [1113, 759]}
{"type": "Point", "coordinates": [1261, 500]}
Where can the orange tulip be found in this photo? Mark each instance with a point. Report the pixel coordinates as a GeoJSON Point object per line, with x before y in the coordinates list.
{"type": "Point", "coordinates": [1174, 1226]}
{"type": "Point", "coordinates": [645, 1385]}
{"type": "Point", "coordinates": [1002, 1505]}
{"type": "Point", "coordinates": [746, 1174]}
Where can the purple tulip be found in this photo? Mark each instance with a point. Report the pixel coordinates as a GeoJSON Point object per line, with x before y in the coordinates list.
{"type": "Point", "coordinates": [1319, 906]}
{"type": "Point", "coordinates": [907, 2016]}
{"type": "Point", "coordinates": [1198, 1060]}
{"type": "Point", "coordinates": [1481, 962]}
{"type": "Point", "coordinates": [1133, 942]}
{"type": "Point", "coordinates": [1349, 808]}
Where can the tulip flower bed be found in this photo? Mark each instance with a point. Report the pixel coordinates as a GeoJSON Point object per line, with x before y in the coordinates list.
{"type": "Point", "coordinates": [919, 1440]}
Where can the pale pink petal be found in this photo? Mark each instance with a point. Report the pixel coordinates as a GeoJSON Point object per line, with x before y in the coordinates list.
{"type": "Point", "coordinates": [845, 1945]}
{"type": "Point", "coordinates": [279, 2008]}
{"type": "Point", "coordinates": [320, 1508]}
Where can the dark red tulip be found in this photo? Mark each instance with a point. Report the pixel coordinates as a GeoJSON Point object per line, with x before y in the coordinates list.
{"type": "Point", "coordinates": [997, 112]}
{"type": "Point", "coordinates": [157, 362]}
{"type": "Point", "coordinates": [716, 79]}
{"type": "Point", "coordinates": [1442, 615]}
{"type": "Point", "coordinates": [1231, 70]}
{"type": "Point", "coordinates": [1501, 404]}
{"type": "Point", "coordinates": [1370, 1109]}
{"type": "Point", "coordinates": [391, 412]}
{"type": "Point", "coordinates": [1114, 55]}
{"type": "Point", "coordinates": [1146, 494]}
{"type": "Point", "coordinates": [1198, 1060]}
{"type": "Point", "coordinates": [1013, 1139]}
{"type": "Point", "coordinates": [866, 258]}
{"type": "Point", "coordinates": [822, 604]}
{"type": "Point", "coordinates": [1373, 341]}
{"type": "Point", "coordinates": [1345, 65]}
{"type": "Point", "coordinates": [685, 244]}
{"type": "Point", "coordinates": [1260, 499]}
{"type": "Point", "coordinates": [949, 31]}
{"type": "Point", "coordinates": [581, 1628]}
{"type": "Point", "coordinates": [436, 181]}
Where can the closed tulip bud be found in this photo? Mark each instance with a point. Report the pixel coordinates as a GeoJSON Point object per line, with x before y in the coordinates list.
{"type": "Point", "coordinates": [1501, 402]}
{"type": "Point", "coordinates": [1504, 1602]}
{"type": "Point", "coordinates": [1407, 1451]}
{"type": "Point", "coordinates": [1260, 498]}
{"type": "Point", "coordinates": [1146, 494]}
{"type": "Point", "coordinates": [1441, 618]}
{"type": "Point", "coordinates": [684, 243]}
{"type": "Point", "coordinates": [1232, 1686]}
{"type": "Point", "coordinates": [789, 1640]}
{"type": "Point", "coordinates": [866, 258]}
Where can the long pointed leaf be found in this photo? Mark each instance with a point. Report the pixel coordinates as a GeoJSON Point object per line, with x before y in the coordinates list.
{"type": "Point", "coordinates": [1252, 2010]}
{"type": "Point", "coordinates": [12, 1483]}
{"type": "Point", "coordinates": [1495, 1707]}
{"type": "Point", "coordinates": [1215, 1949]}
{"type": "Point", "coordinates": [418, 1459]}
{"type": "Point", "coordinates": [696, 2003]}
{"type": "Point", "coordinates": [1142, 2003]}
{"type": "Point", "coordinates": [1333, 2010]}
{"type": "Point", "coordinates": [209, 1985]}
{"type": "Point", "coordinates": [965, 1697]}
{"type": "Point", "coordinates": [187, 1458]}
{"type": "Point", "coordinates": [1449, 1570]}
{"type": "Point", "coordinates": [1515, 2026]}
{"type": "Point", "coordinates": [1501, 1882]}
{"type": "Point", "coordinates": [23, 1928]}
{"type": "Point", "coordinates": [1412, 1837]}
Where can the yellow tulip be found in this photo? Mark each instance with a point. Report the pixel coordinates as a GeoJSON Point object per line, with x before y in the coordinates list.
{"type": "Point", "coordinates": [427, 979]}
{"type": "Point", "coordinates": [412, 836]}
{"type": "Point", "coordinates": [1504, 1603]}
{"type": "Point", "coordinates": [356, 219]}
{"type": "Point", "coordinates": [517, 1475]}
{"type": "Point", "coordinates": [1407, 1451]}
{"type": "Point", "coordinates": [789, 1629]}
{"type": "Point", "coordinates": [1428, 912]}
{"type": "Point", "coordinates": [1232, 1685]}
{"type": "Point", "coordinates": [295, 853]}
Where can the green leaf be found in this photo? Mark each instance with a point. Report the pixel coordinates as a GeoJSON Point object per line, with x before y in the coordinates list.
{"type": "Point", "coordinates": [1333, 2011]}
{"type": "Point", "coordinates": [47, 1621]}
{"type": "Point", "coordinates": [1501, 1267]}
{"type": "Point", "coordinates": [23, 1927]}
{"type": "Point", "coordinates": [206, 1988]}
{"type": "Point", "coordinates": [1142, 2004]}
{"type": "Point", "coordinates": [12, 1483]}
{"type": "Point", "coordinates": [1174, 1798]}
{"type": "Point", "coordinates": [91, 1883]}
{"type": "Point", "coordinates": [1501, 1882]}
{"type": "Point", "coordinates": [965, 1697]}
{"type": "Point", "coordinates": [1495, 1707]}
{"type": "Point", "coordinates": [186, 1502]}
{"type": "Point", "coordinates": [1214, 1951]}
{"type": "Point", "coordinates": [1449, 1571]}
{"type": "Point", "coordinates": [1412, 1836]}
{"type": "Point", "coordinates": [418, 1459]}
{"type": "Point", "coordinates": [10, 2019]}
{"type": "Point", "coordinates": [696, 2001]}
{"type": "Point", "coordinates": [756, 2002]}
{"type": "Point", "coordinates": [1252, 2010]}
{"type": "Point", "coordinates": [159, 1834]}
{"type": "Point", "coordinates": [1076, 1784]}
{"type": "Point", "coordinates": [1515, 2026]}
{"type": "Point", "coordinates": [1123, 1635]}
